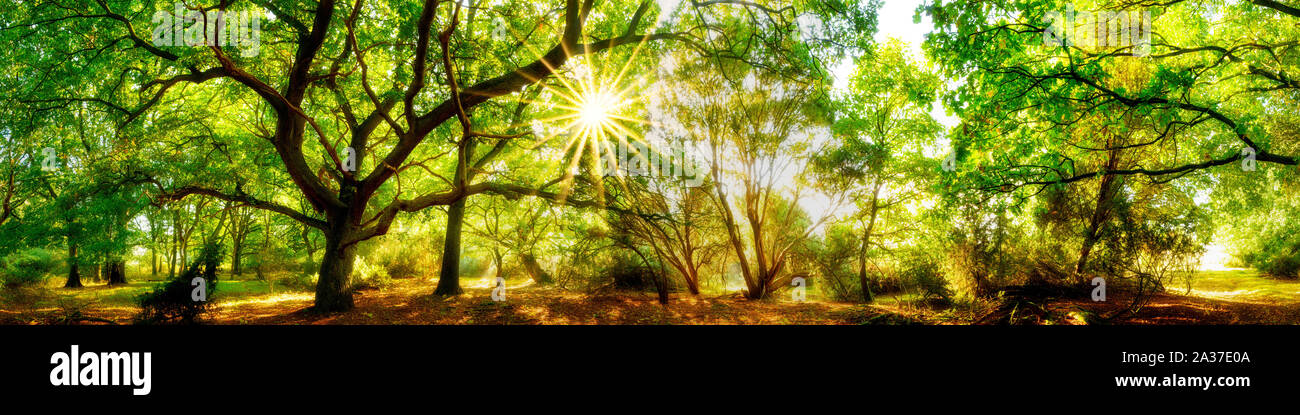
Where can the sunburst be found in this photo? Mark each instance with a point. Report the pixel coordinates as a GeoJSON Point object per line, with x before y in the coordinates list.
{"type": "Point", "coordinates": [595, 117]}
{"type": "Point", "coordinates": [592, 109]}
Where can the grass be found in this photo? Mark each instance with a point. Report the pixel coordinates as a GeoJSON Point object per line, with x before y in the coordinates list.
{"type": "Point", "coordinates": [122, 298]}
{"type": "Point", "coordinates": [1244, 285]}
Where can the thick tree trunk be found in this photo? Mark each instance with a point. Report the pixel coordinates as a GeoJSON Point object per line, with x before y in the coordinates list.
{"type": "Point", "coordinates": [236, 250]}
{"type": "Point", "coordinates": [116, 270]}
{"type": "Point", "coordinates": [449, 275]}
{"type": "Point", "coordinates": [74, 277]}
{"type": "Point", "coordinates": [692, 281]}
{"type": "Point", "coordinates": [540, 276]}
{"type": "Point", "coordinates": [334, 285]}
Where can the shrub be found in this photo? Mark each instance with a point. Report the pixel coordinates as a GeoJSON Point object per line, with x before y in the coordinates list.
{"type": "Point", "coordinates": [171, 301]}
{"type": "Point", "coordinates": [403, 255]}
{"type": "Point", "coordinates": [27, 268]}
{"type": "Point", "coordinates": [370, 275]}
{"type": "Point", "coordinates": [1282, 265]}
{"type": "Point", "coordinates": [923, 274]}
{"type": "Point", "coordinates": [305, 281]}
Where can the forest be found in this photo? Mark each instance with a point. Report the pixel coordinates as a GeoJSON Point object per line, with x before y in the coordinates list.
{"type": "Point", "coordinates": [809, 162]}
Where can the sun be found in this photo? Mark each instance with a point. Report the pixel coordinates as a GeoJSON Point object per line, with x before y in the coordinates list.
{"type": "Point", "coordinates": [592, 106]}
{"type": "Point", "coordinates": [594, 109]}
{"type": "Point", "coordinates": [594, 114]}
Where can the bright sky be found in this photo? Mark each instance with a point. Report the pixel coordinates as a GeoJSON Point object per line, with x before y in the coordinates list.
{"type": "Point", "coordinates": [894, 21]}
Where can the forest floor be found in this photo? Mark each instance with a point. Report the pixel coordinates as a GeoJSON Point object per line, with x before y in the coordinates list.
{"type": "Point", "coordinates": [1216, 297]}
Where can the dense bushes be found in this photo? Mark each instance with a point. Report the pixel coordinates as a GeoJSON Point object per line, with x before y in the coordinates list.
{"type": "Point", "coordinates": [172, 300]}
{"type": "Point", "coordinates": [369, 275]}
{"type": "Point", "coordinates": [407, 255]}
{"type": "Point", "coordinates": [27, 268]}
{"type": "Point", "coordinates": [1282, 264]}
{"type": "Point", "coordinates": [923, 275]}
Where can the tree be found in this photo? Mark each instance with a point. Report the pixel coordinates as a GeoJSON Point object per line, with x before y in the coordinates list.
{"type": "Point", "coordinates": [757, 131]}
{"type": "Point", "coordinates": [360, 91]}
{"type": "Point", "coordinates": [882, 126]}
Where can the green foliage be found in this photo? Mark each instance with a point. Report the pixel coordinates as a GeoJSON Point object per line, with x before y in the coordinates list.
{"type": "Point", "coordinates": [304, 281]}
{"type": "Point", "coordinates": [829, 254]}
{"type": "Point", "coordinates": [1281, 264]}
{"type": "Point", "coordinates": [923, 274]}
{"type": "Point", "coordinates": [26, 268]}
{"type": "Point", "coordinates": [370, 275]}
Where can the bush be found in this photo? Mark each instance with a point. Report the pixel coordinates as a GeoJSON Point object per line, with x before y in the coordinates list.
{"type": "Point", "coordinates": [403, 255]}
{"type": "Point", "coordinates": [171, 301]}
{"type": "Point", "coordinates": [1282, 265]}
{"type": "Point", "coordinates": [922, 273]}
{"type": "Point", "coordinates": [628, 273]}
{"type": "Point", "coordinates": [305, 281]}
{"type": "Point", "coordinates": [27, 268]}
{"type": "Point", "coordinates": [370, 276]}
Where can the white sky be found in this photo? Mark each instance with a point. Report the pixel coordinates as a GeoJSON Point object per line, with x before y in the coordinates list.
{"type": "Point", "coordinates": [894, 21]}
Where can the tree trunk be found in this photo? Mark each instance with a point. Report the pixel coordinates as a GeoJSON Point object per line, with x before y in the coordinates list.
{"type": "Point", "coordinates": [74, 277]}
{"type": "Point", "coordinates": [306, 241]}
{"type": "Point", "coordinates": [449, 275]}
{"type": "Point", "coordinates": [236, 249]}
{"type": "Point", "coordinates": [153, 258]}
{"type": "Point", "coordinates": [692, 280]}
{"type": "Point", "coordinates": [867, 295]}
{"type": "Point", "coordinates": [540, 276]}
{"type": "Point", "coordinates": [1105, 193]}
{"type": "Point", "coordinates": [176, 242]}
{"type": "Point", "coordinates": [334, 285]}
{"type": "Point", "coordinates": [116, 272]}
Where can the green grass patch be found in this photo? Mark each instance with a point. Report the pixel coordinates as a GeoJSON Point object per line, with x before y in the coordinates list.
{"type": "Point", "coordinates": [1244, 285]}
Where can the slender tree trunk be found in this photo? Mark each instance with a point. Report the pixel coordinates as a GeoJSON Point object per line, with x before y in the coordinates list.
{"type": "Point", "coordinates": [266, 246]}
{"type": "Point", "coordinates": [74, 277]}
{"type": "Point", "coordinates": [176, 242]}
{"type": "Point", "coordinates": [306, 241]}
{"type": "Point", "coordinates": [496, 261]}
{"type": "Point", "coordinates": [867, 295]}
{"type": "Point", "coordinates": [449, 275]}
{"type": "Point", "coordinates": [1105, 195]}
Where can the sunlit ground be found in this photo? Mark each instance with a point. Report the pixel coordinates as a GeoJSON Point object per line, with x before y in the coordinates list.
{"type": "Point", "coordinates": [1242, 293]}
{"type": "Point", "coordinates": [1245, 285]}
{"type": "Point", "coordinates": [1215, 259]}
